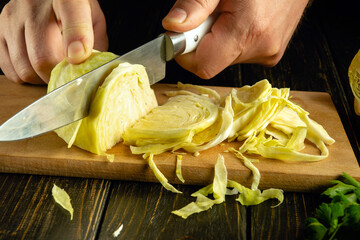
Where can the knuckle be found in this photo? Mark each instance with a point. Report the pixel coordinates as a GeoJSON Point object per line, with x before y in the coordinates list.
{"type": "Point", "coordinates": [272, 48]}
{"type": "Point", "coordinates": [271, 62]}
{"type": "Point", "coordinates": [17, 80]}
{"type": "Point", "coordinates": [26, 74]}
{"type": "Point", "coordinates": [77, 30]}
{"type": "Point", "coordinates": [205, 72]}
{"type": "Point", "coordinates": [41, 63]}
{"type": "Point", "coordinates": [273, 52]}
{"type": "Point", "coordinates": [7, 12]}
{"type": "Point", "coordinates": [203, 3]}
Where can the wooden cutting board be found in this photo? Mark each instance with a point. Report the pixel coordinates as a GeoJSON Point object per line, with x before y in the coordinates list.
{"type": "Point", "coordinates": [48, 154]}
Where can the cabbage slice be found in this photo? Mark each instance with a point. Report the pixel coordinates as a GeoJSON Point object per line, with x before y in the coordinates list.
{"type": "Point", "coordinates": [124, 97]}
{"type": "Point", "coordinates": [172, 125]}
{"type": "Point", "coordinates": [178, 168]}
{"type": "Point", "coordinates": [62, 198]}
{"type": "Point", "coordinates": [158, 174]}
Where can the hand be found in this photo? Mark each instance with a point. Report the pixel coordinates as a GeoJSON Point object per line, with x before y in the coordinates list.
{"type": "Point", "coordinates": [36, 35]}
{"type": "Point", "coordinates": [246, 31]}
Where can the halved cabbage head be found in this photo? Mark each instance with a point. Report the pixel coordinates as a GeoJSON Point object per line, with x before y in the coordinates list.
{"type": "Point", "coordinates": [123, 98]}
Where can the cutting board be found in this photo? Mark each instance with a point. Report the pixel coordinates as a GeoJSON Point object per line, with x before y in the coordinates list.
{"type": "Point", "coordinates": [48, 154]}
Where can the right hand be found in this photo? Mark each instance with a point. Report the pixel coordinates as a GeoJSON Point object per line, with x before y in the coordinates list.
{"type": "Point", "coordinates": [35, 35]}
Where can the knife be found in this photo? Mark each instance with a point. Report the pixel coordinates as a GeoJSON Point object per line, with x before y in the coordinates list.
{"type": "Point", "coordinates": [71, 101]}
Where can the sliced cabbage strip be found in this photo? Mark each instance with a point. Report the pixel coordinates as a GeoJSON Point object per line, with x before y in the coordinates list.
{"type": "Point", "coordinates": [217, 188]}
{"type": "Point", "coordinates": [203, 90]}
{"type": "Point", "coordinates": [159, 176]}
{"type": "Point", "coordinates": [254, 197]}
{"type": "Point", "coordinates": [123, 98]}
{"type": "Point", "coordinates": [62, 198]}
{"type": "Point", "coordinates": [178, 168]}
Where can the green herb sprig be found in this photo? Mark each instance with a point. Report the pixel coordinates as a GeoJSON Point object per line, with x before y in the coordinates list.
{"type": "Point", "coordinates": [340, 218]}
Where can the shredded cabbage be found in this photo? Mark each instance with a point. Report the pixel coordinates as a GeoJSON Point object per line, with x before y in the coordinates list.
{"type": "Point", "coordinates": [217, 188]}
{"type": "Point", "coordinates": [269, 123]}
{"type": "Point", "coordinates": [162, 179]}
{"type": "Point", "coordinates": [220, 188]}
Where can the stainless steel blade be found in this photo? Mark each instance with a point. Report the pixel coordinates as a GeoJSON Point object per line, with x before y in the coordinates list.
{"type": "Point", "coordinates": [71, 101]}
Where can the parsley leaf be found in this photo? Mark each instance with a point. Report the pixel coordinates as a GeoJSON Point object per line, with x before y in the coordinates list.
{"type": "Point", "coordinates": [340, 217]}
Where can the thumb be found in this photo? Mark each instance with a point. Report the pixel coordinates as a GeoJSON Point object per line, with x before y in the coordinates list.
{"type": "Point", "coordinates": [188, 14]}
{"type": "Point", "coordinates": [75, 21]}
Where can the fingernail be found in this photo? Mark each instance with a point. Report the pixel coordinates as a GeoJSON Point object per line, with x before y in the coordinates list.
{"type": "Point", "coordinates": [177, 15]}
{"type": "Point", "coordinates": [76, 50]}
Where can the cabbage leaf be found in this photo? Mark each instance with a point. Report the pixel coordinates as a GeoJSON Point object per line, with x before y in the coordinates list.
{"type": "Point", "coordinates": [62, 198]}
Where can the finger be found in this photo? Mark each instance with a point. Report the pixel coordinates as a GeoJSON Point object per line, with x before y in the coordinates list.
{"type": "Point", "coordinates": [77, 28]}
{"type": "Point", "coordinates": [20, 59]}
{"type": "Point", "coordinates": [6, 64]}
{"type": "Point", "coordinates": [188, 14]}
{"type": "Point", "coordinates": [101, 41]}
{"type": "Point", "coordinates": [43, 57]}
{"type": "Point", "coordinates": [216, 50]}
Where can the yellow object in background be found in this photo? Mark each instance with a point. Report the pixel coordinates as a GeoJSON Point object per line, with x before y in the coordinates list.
{"type": "Point", "coordinates": [354, 80]}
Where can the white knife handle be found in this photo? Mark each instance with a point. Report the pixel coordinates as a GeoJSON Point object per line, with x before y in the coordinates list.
{"type": "Point", "coordinates": [182, 43]}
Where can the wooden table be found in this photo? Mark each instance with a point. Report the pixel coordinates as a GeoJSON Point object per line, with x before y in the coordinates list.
{"type": "Point", "coordinates": [317, 59]}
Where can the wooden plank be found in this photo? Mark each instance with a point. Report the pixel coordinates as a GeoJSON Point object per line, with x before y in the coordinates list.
{"type": "Point", "coordinates": [145, 213]}
{"type": "Point", "coordinates": [28, 210]}
{"type": "Point", "coordinates": [49, 155]}
{"type": "Point", "coordinates": [285, 221]}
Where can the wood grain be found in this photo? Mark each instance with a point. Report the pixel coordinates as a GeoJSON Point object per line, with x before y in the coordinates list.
{"type": "Point", "coordinates": [49, 155]}
{"type": "Point", "coordinates": [28, 210]}
{"type": "Point", "coordinates": [145, 213]}
{"type": "Point", "coordinates": [283, 222]}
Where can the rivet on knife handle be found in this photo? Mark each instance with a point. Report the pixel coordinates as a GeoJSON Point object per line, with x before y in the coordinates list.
{"type": "Point", "coordinates": [182, 43]}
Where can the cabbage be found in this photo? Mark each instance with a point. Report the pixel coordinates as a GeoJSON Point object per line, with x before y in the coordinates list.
{"type": "Point", "coordinates": [159, 176]}
{"type": "Point", "coordinates": [178, 168]}
{"type": "Point", "coordinates": [123, 98]}
{"type": "Point", "coordinates": [62, 198]}
{"type": "Point", "coordinates": [217, 188]}
{"type": "Point", "coordinates": [172, 125]}
{"type": "Point", "coordinates": [124, 108]}
{"type": "Point", "coordinates": [220, 188]}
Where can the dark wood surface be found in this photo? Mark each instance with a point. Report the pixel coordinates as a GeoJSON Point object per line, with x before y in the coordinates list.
{"type": "Point", "coordinates": [317, 59]}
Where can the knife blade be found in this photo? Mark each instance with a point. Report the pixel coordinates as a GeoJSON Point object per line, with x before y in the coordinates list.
{"type": "Point", "coordinates": [71, 102]}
